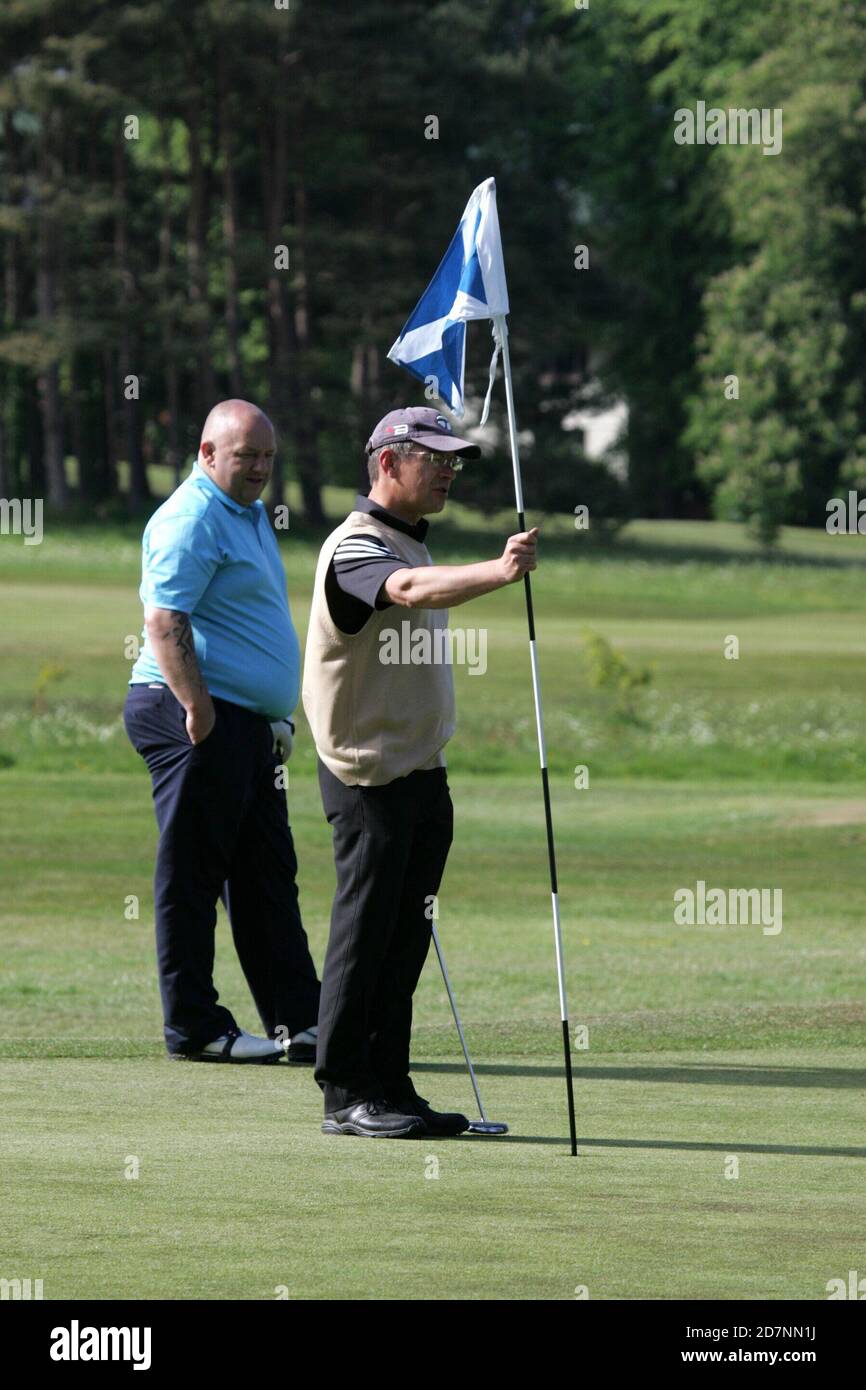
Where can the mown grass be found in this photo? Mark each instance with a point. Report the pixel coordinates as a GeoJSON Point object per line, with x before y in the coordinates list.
{"type": "Point", "coordinates": [703, 1042]}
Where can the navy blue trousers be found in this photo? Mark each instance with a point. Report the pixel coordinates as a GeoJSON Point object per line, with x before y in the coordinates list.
{"type": "Point", "coordinates": [223, 832]}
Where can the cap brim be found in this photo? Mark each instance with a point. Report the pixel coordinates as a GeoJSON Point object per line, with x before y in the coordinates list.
{"type": "Point", "coordinates": [448, 444]}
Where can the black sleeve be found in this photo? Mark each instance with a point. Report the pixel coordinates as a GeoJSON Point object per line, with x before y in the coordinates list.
{"type": "Point", "coordinates": [358, 569]}
{"type": "Point", "coordinates": [361, 566]}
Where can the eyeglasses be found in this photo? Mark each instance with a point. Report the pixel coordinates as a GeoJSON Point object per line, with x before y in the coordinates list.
{"type": "Point", "coordinates": [440, 460]}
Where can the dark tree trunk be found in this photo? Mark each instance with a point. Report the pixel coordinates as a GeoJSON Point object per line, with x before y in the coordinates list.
{"type": "Point", "coordinates": [10, 384]}
{"type": "Point", "coordinates": [52, 435]}
{"type": "Point", "coordinates": [96, 478]}
{"type": "Point", "coordinates": [304, 421]}
{"type": "Point", "coordinates": [86, 482]}
{"type": "Point", "coordinates": [48, 379]}
{"type": "Point", "coordinates": [206, 393]}
{"type": "Point", "coordinates": [166, 312]}
{"type": "Point", "coordinates": [35, 440]}
{"type": "Point", "coordinates": [109, 396]}
{"type": "Point", "coordinates": [366, 388]}
{"type": "Point", "coordinates": [173, 457]}
{"type": "Point", "coordinates": [230, 229]}
{"type": "Point", "coordinates": [139, 489]}
{"type": "Point", "coordinates": [6, 489]}
{"type": "Point", "coordinates": [274, 162]}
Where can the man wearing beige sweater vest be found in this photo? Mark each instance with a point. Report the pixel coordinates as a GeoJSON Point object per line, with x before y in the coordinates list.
{"type": "Point", "coordinates": [380, 727]}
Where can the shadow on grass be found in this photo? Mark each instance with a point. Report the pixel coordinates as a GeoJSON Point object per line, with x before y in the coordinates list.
{"type": "Point", "coordinates": [685, 1145]}
{"type": "Point", "coordinates": [695, 1073]}
{"type": "Point", "coordinates": [697, 1145]}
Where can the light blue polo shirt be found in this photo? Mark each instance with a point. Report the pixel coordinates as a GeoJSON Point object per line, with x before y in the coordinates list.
{"type": "Point", "coordinates": [209, 556]}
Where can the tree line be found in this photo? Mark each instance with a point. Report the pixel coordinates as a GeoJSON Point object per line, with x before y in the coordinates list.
{"type": "Point", "coordinates": [239, 197]}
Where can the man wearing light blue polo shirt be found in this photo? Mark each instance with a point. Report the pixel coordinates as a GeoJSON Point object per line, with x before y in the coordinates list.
{"type": "Point", "coordinates": [220, 665]}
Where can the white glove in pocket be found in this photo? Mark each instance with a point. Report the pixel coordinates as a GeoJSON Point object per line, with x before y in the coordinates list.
{"type": "Point", "coordinates": [283, 731]}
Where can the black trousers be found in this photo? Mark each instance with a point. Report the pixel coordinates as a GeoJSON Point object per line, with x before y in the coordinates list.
{"type": "Point", "coordinates": [390, 848]}
{"type": "Point", "coordinates": [224, 832]}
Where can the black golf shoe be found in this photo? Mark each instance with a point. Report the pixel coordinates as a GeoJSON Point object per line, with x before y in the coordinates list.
{"type": "Point", "coordinates": [302, 1047]}
{"type": "Point", "coordinates": [373, 1119]}
{"type": "Point", "coordinates": [442, 1124]}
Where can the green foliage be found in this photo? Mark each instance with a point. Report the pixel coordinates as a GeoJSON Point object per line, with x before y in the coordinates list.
{"type": "Point", "coordinates": [50, 675]}
{"type": "Point", "coordinates": [608, 670]}
{"type": "Point", "coordinates": [650, 215]}
{"type": "Point", "coordinates": [155, 255]}
{"type": "Point", "coordinates": [162, 245]}
{"type": "Point", "coordinates": [788, 318]}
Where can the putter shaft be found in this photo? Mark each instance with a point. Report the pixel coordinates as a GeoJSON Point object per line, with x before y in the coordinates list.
{"type": "Point", "coordinates": [453, 1003]}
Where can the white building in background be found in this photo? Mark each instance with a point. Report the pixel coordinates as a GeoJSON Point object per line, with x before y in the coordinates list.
{"type": "Point", "coordinates": [600, 430]}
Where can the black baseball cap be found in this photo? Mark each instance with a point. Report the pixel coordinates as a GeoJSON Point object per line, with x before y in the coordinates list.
{"type": "Point", "coordinates": [423, 425]}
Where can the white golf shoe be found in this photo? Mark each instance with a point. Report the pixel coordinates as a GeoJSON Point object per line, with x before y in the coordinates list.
{"type": "Point", "coordinates": [238, 1046]}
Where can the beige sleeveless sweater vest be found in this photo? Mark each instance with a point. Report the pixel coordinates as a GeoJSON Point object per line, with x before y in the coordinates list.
{"type": "Point", "coordinates": [371, 720]}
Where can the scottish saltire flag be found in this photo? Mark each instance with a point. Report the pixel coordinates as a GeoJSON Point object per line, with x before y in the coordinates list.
{"type": "Point", "coordinates": [469, 284]}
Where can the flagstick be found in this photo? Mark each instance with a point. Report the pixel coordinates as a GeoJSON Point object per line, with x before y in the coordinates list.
{"type": "Point", "coordinates": [499, 320]}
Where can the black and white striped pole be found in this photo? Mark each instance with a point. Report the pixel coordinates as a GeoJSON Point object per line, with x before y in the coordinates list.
{"type": "Point", "coordinates": [501, 336]}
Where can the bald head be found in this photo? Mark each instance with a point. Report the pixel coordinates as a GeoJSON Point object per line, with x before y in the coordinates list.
{"type": "Point", "coordinates": [237, 449]}
{"type": "Point", "coordinates": [232, 415]}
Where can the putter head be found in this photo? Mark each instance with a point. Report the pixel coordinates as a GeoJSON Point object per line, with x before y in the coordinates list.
{"type": "Point", "coordinates": [486, 1127]}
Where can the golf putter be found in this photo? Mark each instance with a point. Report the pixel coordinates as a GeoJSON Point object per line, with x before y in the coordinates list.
{"type": "Point", "coordinates": [482, 1126]}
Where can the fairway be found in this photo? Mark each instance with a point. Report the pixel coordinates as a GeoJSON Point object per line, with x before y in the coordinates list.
{"type": "Point", "coordinates": [719, 1070]}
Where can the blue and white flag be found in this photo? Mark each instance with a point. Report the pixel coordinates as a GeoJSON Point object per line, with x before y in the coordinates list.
{"type": "Point", "coordinates": [469, 284]}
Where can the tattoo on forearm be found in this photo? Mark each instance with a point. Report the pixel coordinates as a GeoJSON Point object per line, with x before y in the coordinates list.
{"type": "Point", "coordinates": [182, 634]}
{"type": "Point", "coordinates": [181, 631]}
